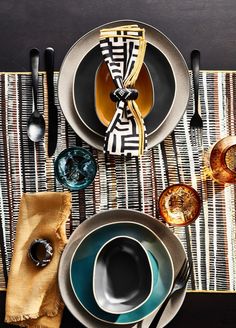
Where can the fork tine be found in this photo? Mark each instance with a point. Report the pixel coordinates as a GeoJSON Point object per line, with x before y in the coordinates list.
{"type": "Point", "coordinates": [193, 138]}
{"type": "Point", "coordinates": [196, 136]}
{"type": "Point", "coordinates": [199, 137]}
{"type": "Point", "coordinates": [185, 272]}
{"type": "Point", "coordinates": [189, 273]}
{"type": "Point", "coordinates": [183, 269]}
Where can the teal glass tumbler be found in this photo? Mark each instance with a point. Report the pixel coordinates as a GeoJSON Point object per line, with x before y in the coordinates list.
{"type": "Point", "coordinates": [75, 168]}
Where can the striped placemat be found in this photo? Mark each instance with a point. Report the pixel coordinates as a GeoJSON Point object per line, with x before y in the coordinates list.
{"type": "Point", "coordinates": [126, 183]}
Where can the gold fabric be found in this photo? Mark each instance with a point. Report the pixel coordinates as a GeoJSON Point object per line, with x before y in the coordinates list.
{"type": "Point", "coordinates": [125, 34]}
{"type": "Point", "coordinates": [33, 298]}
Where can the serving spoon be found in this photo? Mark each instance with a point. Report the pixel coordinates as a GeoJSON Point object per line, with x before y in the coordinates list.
{"type": "Point", "coordinates": [36, 123]}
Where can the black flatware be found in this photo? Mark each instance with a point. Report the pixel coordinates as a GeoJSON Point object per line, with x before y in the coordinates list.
{"type": "Point", "coordinates": [196, 123]}
{"type": "Point", "coordinates": [36, 123]}
{"type": "Point", "coordinates": [52, 108]}
{"type": "Point", "coordinates": [179, 283]}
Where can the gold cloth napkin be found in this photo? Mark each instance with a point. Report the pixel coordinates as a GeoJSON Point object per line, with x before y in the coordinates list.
{"type": "Point", "coordinates": [123, 49]}
{"type": "Point", "coordinates": [33, 297]}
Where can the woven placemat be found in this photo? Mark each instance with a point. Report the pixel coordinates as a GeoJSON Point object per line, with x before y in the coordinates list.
{"type": "Point", "coordinates": [126, 183]}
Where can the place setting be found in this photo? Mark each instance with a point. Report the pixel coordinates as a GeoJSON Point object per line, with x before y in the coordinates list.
{"type": "Point", "coordinates": [116, 174]}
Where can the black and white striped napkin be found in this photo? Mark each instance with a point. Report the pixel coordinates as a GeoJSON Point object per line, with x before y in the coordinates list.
{"type": "Point", "coordinates": [123, 49]}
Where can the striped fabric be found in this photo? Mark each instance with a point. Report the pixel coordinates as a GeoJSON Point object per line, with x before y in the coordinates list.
{"type": "Point", "coordinates": [123, 50]}
{"type": "Point", "coordinates": [134, 183]}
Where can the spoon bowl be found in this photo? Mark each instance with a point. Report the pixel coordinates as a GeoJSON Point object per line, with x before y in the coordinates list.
{"type": "Point", "coordinates": [36, 123]}
{"type": "Point", "coordinates": [36, 126]}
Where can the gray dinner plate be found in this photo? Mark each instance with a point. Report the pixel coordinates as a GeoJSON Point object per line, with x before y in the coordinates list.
{"type": "Point", "coordinates": [156, 39]}
{"type": "Point", "coordinates": [162, 79]}
{"type": "Point", "coordinates": [172, 243]}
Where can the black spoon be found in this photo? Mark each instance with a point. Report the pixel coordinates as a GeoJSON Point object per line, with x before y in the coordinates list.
{"type": "Point", "coordinates": [36, 123]}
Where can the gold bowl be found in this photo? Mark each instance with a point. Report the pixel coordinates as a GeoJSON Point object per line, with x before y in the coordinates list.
{"type": "Point", "coordinates": [105, 107]}
{"type": "Point", "coordinates": [222, 160]}
{"type": "Point", "coordinates": [179, 205]}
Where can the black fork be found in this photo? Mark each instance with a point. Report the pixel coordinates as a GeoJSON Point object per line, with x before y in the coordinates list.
{"type": "Point", "coordinates": [179, 283]}
{"type": "Point", "coordinates": [196, 123]}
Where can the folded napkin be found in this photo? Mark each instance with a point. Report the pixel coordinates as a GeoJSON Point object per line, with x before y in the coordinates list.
{"type": "Point", "coordinates": [123, 49]}
{"type": "Point", "coordinates": [33, 298]}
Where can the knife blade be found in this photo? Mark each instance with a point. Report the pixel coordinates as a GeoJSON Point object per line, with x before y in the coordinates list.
{"type": "Point", "coordinates": [52, 108]}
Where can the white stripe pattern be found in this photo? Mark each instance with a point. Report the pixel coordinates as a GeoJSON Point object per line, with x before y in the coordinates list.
{"type": "Point", "coordinates": [134, 183]}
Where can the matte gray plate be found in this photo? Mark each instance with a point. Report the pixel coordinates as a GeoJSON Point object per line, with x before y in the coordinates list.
{"type": "Point", "coordinates": [172, 243]}
{"type": "Point", "coordinates": [163, 85]}
{"type": "Point", "coordinates": [154, 37]}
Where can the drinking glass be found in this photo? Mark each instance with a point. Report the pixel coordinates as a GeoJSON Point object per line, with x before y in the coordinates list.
{"type": "Point", "coordinates": [179, 204]}
{"type": "Point", "coordinates": [220, 161]}
{"type": "Point", "coordinates": [75, 168]}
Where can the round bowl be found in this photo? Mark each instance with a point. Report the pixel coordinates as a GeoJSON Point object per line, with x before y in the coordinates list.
{"type": "Point", "coordinates": [170, 240]}
{"type": "Point", "coordinates": [122, 275]}
{"type": "Point", "coordinates": [167, 68]}
{"type": "Point", "coordinates": [179, 205]}
{"type": "Point", "coordinates": [82, 262]}
{"type": "Point", "coordinates": [223, 160]}
{"type": "Point", "coordinates": [104, 85]}
{"type": "Point", "coordinates": [75, 168]}
{"type": "Point", "coordinates": [157, 79]}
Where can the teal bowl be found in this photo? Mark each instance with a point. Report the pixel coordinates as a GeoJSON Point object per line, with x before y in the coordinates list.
{"type": "Point", "coordinates": [75, 168]}
{"type": "Point", "coordinates": [82, 263]}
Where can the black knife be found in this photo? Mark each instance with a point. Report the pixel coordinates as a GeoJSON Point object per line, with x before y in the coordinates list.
{"type": "Point", "coordinates": [52, 108]}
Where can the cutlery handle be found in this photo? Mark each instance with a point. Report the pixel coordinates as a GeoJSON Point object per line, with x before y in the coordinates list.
{"type": "Point", "coordinates": [195, 63]}
{"type": "Point", "coordinates": [158, 315]}
{"type": "Point", "coordinates": [34, 63]}
{"type": "Point", "coordinates": [49, 64]}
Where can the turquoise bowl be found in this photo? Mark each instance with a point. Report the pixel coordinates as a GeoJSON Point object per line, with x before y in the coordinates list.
{"type": "Point", "coordinates": [82, 263]}
{"type": "Point", "coordinates": [75, 168]}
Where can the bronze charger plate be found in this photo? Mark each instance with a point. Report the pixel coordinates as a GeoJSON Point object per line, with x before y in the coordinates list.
{"type": "Point", "coordinates": [88, 42]}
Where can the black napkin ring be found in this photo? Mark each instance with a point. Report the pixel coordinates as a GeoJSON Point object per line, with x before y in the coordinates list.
{"type": "Point", "coordinates": [124, 94]}
{"type": "Point", "coordinates": [40, 252]}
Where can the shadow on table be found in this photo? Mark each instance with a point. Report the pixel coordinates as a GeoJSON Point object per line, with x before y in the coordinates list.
{"type": "Point", "coordinates": [216, 310]}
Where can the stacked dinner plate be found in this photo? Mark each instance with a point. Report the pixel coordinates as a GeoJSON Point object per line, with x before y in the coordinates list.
{"type": "Point", "coordinates": [150, 245]}
{"type": "Point", "coordinates": [93, 256]}
{"type": "Point", "coordinates": [79, 77]}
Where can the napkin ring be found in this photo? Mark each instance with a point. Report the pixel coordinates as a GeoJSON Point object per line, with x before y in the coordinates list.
{"type": "Point", "coordinates": [40, 252]}
{"type": "Point", "coordinates": [124, 94]}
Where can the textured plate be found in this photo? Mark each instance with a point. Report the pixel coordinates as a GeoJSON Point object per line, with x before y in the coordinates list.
{"type": "Point", "coordinates": [171, 242]}
{"type": "Point", "coordinates": [154, 37]}
{"type": "Point", "coordinates": [122, 275]}
{"type": "Point", "coordinates": [81, 270]}
{"type": "Point", "coordinates": [106, 108]}
{"type": "Point", "coordinates": [162, 80]}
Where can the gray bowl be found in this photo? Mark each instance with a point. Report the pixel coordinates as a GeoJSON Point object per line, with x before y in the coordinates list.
{"type": "Point", "coordinates": [172, 243]}
{"type": "Point", "coordinates": [122, 275]}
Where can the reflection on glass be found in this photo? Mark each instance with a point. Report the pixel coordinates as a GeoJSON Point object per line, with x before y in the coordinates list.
{"type": "Point", "coordinates": [220, 161]}
{"type": "Point", "coordinates": [179, 204]}
{"type": "Point", "coordinates": [75, 168]}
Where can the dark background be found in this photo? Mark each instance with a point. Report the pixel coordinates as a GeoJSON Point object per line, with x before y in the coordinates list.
{"type": "Point", "coordinates": [199, 310]}
{"type": "Point", "coordinates": [208, 25]}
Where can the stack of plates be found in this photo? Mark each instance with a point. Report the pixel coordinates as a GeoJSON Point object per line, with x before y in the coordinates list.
{"type": "Point", "coordinates": [76, 272]}
{"type": "Point", "coordinates": [169, 74]}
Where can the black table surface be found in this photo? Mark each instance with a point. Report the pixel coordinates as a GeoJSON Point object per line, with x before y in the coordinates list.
{"type": "Point", "coordinates": [205, 310]}
{"type": "Point", "coordinates": [209, 26]}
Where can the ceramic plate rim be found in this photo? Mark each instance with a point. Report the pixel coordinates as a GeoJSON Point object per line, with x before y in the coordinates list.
{"type": "Point", "coordinates": [154, 96]}
{"type": "Point", "coordinates": [149, 267]}
{"type": "Point", "coordinates": [164, 246]}
{"type": "Point", "coordinates": [179, 105]}
{"type": "Point", "coordinates": [112, 215]}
